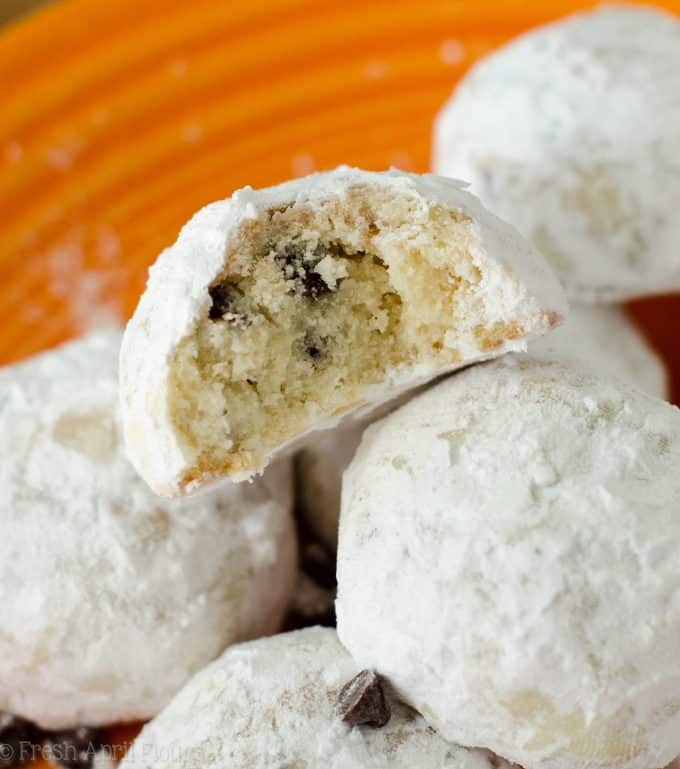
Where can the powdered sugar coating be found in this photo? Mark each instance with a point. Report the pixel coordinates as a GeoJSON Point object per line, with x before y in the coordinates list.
{"type": "Point", "coordinates": [571, 133]}
{"type": "Point", "coordinates": [112, 597]}
{"type": "Point", "coordinates": [177, 298]}
{"type": "Point", "coordinates": [271, 703]}
{"type": "Point", "coordinates": [603, 340]}
{"type": "Point", "coordinates": [600, 339]}
{"type": "Point", "coordinates": [528, 601]}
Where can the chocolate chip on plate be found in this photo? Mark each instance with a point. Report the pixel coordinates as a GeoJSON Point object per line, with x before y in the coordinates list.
{"type": "Point", "coordinates": [19, 741]}
{"type": "Point", "coordinates": [74, 748]}
{"type": "Point", "coordinates": [362, 701]}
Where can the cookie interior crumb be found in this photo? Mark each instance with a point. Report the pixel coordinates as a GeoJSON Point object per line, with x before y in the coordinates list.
{"type": "Point", "coordinates": [316, 305]}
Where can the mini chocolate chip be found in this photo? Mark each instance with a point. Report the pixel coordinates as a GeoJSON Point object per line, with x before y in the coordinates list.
{"type": "Point", "coordinates": [299, 267]}
{"type": "Point", "coordinates": [314, 285]}
{"type": "Point", "coordinates": [362, 701]}
{"type": "Point", "coordinates": [19, 741]}
{"type": "Point", "coordinates": [339, 251]}
{"type": "Point", "coordinates": [314, 346]}
{"type": "Point", "coordinates": [74, 748]}
{"type": "Point", "coordinates": [225, 299]}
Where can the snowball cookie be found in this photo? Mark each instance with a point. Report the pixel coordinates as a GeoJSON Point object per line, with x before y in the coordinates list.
{"type": "Point", "coordinates": [601, 339]}
{"type": "Point", "coordinates": [571, 133]}
{"type": "Point", "coordinates": [508, 559]}
{"type": "Point", "coordinates": [280, 309]}
{"type": "Point", "coordinates": [272, 703]}
{"type": "Point", "coordinates": [605, 341]}
{"type": "Point", "coordinates": [111, 597]}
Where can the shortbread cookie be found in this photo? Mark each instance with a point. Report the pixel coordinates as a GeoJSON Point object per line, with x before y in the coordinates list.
{"type": "Point", "coordinates": [508, 559]}
{"type": "Point", "coordinates": [112, 597]}
{"type": "Point", "coordinates": [281, 309]}
{"type": "Point", "coordinates": [571, 133]}
{"type": "Point", "coordinates": [274, 703]}
{"type": "Point", "coordinates": [601, 339]}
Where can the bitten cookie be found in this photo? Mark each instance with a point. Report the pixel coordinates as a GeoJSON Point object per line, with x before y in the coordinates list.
{"type": "Point", "coordinates": [571, 133]}
{"type": "Point", "coordinates": [274, 703]}
{"type": "Point", "coordinates": [508, 559]}
{"type": "Point", "coordinates": [600, 339]}
{"type": "Point", "coordinates": [111, 597]}
{"type": "Point", "coordinates": [281, 309]}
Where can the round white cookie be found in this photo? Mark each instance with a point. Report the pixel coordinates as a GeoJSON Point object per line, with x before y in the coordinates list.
{"type": "Point", "coordinates": [601, 339]}
{"type": "Point", "coordinates": [112, 597]}
{"type": "Point", "coordinates": [281, 309]}
{"type": "Point", "coordinates": [604, 341]}
{"type": "Point", "coordinates": [571, 133]}
{"type": "Point", "coordinates": [272, 703]}
{"type": "Point", "coordinates": [508, 559]}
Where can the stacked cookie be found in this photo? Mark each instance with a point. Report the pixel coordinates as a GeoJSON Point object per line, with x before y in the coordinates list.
{"type": "Point", "coordinates": [596, 338]}
{"type": "Point", "coordinates": [112, 597]}
{"type": "Point", "coordinates": [275, 314]}
{"type": "Point", "coordinates": [503, 564]}
{"type": "Point", "coordinates": [508, 560]}
{"type": "Point", "coordinates": [497, 474]}
{"type": "Point", "coordinates": [554, 134]}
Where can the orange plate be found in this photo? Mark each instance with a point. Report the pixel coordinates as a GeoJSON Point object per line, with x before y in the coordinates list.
{"type": "Point", "coordinates": [121, 118]}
